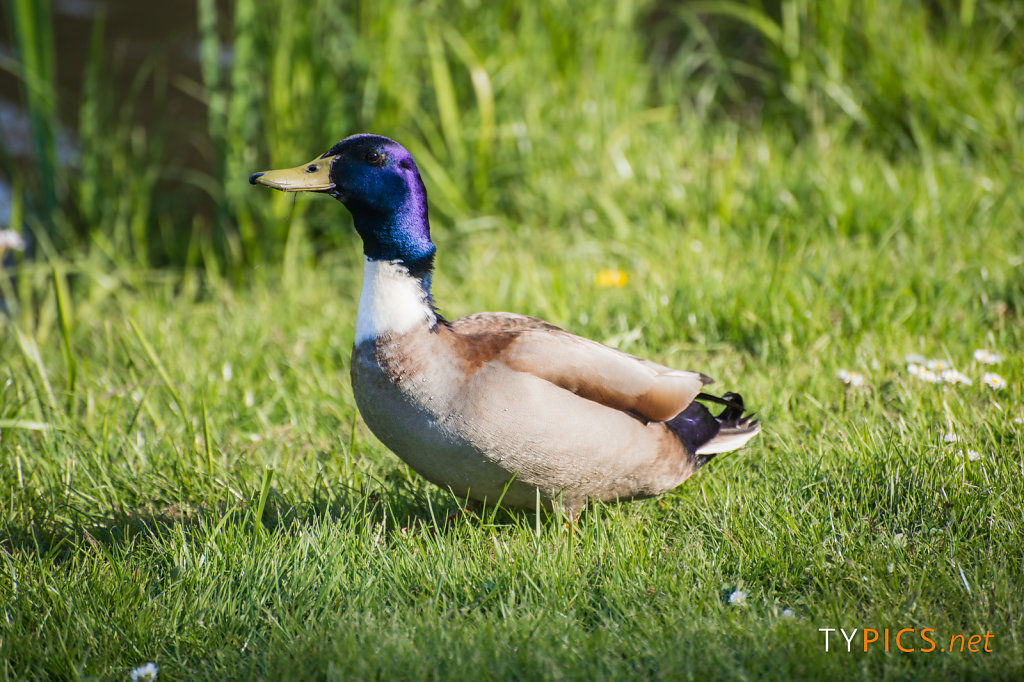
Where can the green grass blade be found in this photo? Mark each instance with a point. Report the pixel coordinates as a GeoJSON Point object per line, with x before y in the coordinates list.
{"type": "Point", "coordinates": [25, 425]}
{"type": "Point", "coordinates": [444, 94]}
{"type": "Point", "coordinates": [30, 351]}
{"type": "Point", "coordinates": [161, 371]}
{"type": "Point", "coordinates": [64, 316]}
{"type": "Point", "coordinates": [207, 441]}
{"type": "Point", "coordinates": [268, 477]}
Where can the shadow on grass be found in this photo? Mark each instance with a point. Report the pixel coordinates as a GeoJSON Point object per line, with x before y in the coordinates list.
{"type": "Point", "coordinates": [397, 508]}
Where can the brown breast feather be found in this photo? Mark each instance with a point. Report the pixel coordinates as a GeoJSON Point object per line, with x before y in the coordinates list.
{"type": "Point", "coordinates": [587, 368]}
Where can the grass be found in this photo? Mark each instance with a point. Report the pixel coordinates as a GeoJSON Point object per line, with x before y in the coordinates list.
{"type": "Point", "coordinates": [184, 477]}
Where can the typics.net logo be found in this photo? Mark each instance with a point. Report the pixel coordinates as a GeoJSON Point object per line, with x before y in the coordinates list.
{"type": "Point", "coordinates": [906, 640]}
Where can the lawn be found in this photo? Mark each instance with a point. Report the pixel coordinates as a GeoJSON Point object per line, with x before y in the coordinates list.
{"type": "Point", "coordinates": [184, 476]}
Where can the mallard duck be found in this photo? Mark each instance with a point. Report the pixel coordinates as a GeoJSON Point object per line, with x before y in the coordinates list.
{"type": "Point", "coordinates": [498, 407]}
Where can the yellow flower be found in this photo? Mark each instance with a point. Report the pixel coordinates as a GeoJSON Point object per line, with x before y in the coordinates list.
{"type": "Point", "coordinates": [609, 278]}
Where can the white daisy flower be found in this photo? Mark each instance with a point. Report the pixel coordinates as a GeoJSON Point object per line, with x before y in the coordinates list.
{"type": "Point", "coordinates": [737, 597]}
{"type": "Point", "coordinates": [951, 376]}
{"type": "Point", "coordinates": [950, 437]}
{"type": "Point", "coordinates": [788, 614]}
{"type": "Point", "coordinates": [915, 359]}
{"type": "Point", "coordinates": [938, 365]}
{"type": "Point", "coordinates": [971, 455]}
{"type": "Point", "coordinates": [11, 239]}
{"type": "Point", "coordinates": [145, 673]}
{"type": "Point", "coordinates": [1019, 420]}
{"type": "Point", "coordinates": [993, 381]}
{"type": "Point", "coordinates": [849, 378]}
{"type": "Point", "coordinates": [914, 368]}
{"type": "Point", "coordinates": [919, 372]}
{"type": "Point", "coordinates": [987, 357]}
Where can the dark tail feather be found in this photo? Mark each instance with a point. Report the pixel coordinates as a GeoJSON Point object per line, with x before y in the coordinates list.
{"type": "Point", "coordinates": [706, 435]}
{"type": "Point", "coordinates": [732, 401]}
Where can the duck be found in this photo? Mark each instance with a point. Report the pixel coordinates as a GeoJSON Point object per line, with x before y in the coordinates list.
{"type": "Point", "coordinates": [500, 408]}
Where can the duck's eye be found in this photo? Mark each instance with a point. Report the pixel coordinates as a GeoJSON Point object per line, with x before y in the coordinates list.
{"type": "Point", "coordinates": [374, 158]}
{"type": "Point", "coordinates": [312, 168]}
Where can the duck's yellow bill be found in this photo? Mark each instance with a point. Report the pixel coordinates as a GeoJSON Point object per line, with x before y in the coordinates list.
{"type": "Point", "coordinates": [314, 176]}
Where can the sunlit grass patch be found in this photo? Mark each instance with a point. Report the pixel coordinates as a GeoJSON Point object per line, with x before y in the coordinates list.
{"type": "Point", "coordinates": [184, 476]}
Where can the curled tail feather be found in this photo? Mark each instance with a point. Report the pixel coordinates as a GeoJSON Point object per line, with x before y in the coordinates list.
{"type": "Point", "coordinates": [705, 435]}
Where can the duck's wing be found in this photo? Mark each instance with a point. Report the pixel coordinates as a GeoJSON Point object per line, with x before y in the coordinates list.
{"type": "Point", "coordinates": [587, 368]}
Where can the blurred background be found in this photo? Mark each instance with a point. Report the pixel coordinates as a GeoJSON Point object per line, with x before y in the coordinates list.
{"type": "Point", "coordinates": [128, 129]}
